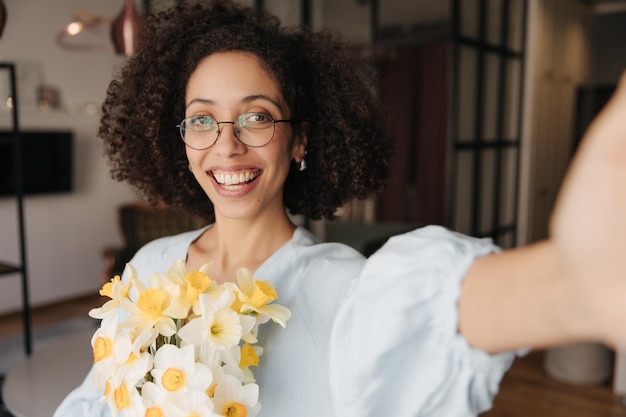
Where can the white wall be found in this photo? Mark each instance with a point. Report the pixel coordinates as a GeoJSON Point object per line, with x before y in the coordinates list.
{"type": "Point", "coordinates": [66, 232]}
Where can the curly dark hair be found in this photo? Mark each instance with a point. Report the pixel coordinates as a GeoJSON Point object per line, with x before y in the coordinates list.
{"type": "Point", "coordinates": [323, 80]}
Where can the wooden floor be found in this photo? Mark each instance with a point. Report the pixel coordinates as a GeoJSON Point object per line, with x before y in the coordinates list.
{"type": "Point", "coordinates": [526, 391]}
{"type": "Point", "coordinates": [11, 324]}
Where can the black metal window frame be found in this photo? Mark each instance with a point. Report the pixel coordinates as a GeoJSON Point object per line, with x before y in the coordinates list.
{"type": "Point", "coordinates": [476, 145]}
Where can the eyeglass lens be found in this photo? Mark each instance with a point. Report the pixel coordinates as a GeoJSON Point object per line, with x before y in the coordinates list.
{"type": "Point", "coordinates": [252, 129]}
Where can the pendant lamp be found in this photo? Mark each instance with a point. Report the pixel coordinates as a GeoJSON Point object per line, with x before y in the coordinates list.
{"type": "Point", "coordinates": [125, 30]}
{"type": "Point", "coordinates": [3, 16]}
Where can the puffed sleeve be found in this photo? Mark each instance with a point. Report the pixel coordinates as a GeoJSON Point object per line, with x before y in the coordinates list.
{"type": "Point", "coordinates": [395, 348]}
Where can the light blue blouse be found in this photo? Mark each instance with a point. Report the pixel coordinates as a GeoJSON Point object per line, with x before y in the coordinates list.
{"type": "Point", "coordinates": [367, 337]}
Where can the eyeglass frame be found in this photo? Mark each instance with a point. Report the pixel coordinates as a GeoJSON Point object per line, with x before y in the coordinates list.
{"type": "Point", "coordinates": [235, 130]}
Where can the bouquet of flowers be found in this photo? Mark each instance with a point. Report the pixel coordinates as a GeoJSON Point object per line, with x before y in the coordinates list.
{"type": "Point", "coordinates": [182, 345]}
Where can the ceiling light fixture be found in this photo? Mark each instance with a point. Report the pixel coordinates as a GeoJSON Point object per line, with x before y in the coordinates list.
{"type": "Point", "coordinates": [83, 22]}
{"type": "Point", "coordinates": [124, 30]}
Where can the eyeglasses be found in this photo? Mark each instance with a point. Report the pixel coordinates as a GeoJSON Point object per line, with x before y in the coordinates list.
{"type": "Point", "coordinates": [251, 129]}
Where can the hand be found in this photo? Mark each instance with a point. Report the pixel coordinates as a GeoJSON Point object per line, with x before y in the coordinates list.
{"type": "Point", "coordinates": [589, 224]}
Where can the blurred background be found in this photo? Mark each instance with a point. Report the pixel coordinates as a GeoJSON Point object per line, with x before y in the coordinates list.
{"type": "Point", "coordinates": [488, 98]}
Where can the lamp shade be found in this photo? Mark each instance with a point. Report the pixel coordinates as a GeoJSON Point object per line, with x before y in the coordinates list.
{"type": "Point", "coordinates": [3, 16]}
{"type": "Point", "coordinates": [125, 30]}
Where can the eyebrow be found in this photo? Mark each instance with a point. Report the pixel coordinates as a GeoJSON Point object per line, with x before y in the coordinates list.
{"type": "Point", "coordinates": [248, 99]}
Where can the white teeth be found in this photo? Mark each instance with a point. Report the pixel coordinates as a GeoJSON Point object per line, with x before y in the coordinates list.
{"type": "Point", "coordinates": [234, 178]}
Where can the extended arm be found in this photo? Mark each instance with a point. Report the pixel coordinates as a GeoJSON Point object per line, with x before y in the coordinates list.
{"type": "Point", "coordinates": [572, 286]}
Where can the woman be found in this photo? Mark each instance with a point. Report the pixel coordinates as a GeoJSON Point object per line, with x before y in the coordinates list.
{"type": "Point", "coordinates": [276, 121]}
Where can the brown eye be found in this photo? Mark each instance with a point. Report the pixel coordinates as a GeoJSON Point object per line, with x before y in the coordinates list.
{"type": "Point", "coordinates": [255, 120]}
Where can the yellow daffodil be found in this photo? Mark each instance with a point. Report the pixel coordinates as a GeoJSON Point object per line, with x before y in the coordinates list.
{"type": "Point", "coordinates": [249, 356]}
{"type": "Point", "coordinates": [188, 285]}
{"type": "Point", "coordinates": [255, 295]}
{"type": "Point", "coordinates": [116, 290]}
{"type": "Point", "coordinates": [152, 307]}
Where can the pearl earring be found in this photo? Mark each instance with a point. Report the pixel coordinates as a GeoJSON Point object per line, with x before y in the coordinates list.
{"type": "Point", "coordinates": [302, 163]}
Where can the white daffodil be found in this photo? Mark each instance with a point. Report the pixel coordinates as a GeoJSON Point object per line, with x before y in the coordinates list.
{"type": "Point", "coordinates": [220, 362]}
{"type": "Point", "coordinates": [176, 370]}
{"type": "Point", "coordinates": [137, 358]}
{"type": "Point", "coordinates": [103, 339]}
{"type": "Point", "coordinates": [116, 290]}
{"type": "Point", "coordinates": [255, 295]}
{"type": "Point", "coordinates": [218, 323]}
{"type": "Point", "coordinates": [140, 342]}
{"type": "Point", "coordinates": [136, 369]}
{"type": "Point", "coordinates": [191, 404]}
{"type": "Point", "coordinates": [108, 344]}
{"type": "Point", "coordinates": [155, 399]}
{"type": "Point", "coordinates": [122, 397]}
{"type": "Point", "coordinates": [152, 307]}
{"type": "Point", "coordinates": [234, 400]}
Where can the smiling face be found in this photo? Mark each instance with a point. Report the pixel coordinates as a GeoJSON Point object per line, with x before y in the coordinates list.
{"type": "Point", "coordinates": [241, 181]}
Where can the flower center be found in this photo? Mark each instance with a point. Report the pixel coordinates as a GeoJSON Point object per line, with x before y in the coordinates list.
{"type": "Point", "coordinates": [154, 412]}
{"type": "Point", "coordinates": [173, 379]}
{"type": "Point", "coordinates": [263, 294]}
{"type": "Point", "coordinates": [197, 283]}
{"type": "Point", "coordinates": [152, 302]}
{"type": "Point", "coordinates": [102, 348]}
{"type": "Point", "coordinates": [248, 356]}
{"type": "Point", "coordinates": [121, 397]}
{"type": "Point", "coordinates": [216, 329]}
{"type": "Point", "coordinates": [235, 410]}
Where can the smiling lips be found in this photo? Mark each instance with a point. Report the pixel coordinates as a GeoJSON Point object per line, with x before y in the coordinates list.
{"type": "Point", "coordinates": [235, 180]}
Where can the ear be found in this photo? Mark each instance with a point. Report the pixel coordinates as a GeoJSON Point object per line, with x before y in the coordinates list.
{"type": "Point", "coordinates": [300, 141]}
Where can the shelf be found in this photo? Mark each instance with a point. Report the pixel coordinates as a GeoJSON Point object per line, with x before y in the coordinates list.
{"type": "Point", "coordinates": [9, 269]}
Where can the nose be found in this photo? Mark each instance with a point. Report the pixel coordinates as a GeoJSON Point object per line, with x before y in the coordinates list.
{"type": "Point", "coordinates": [227, 143]}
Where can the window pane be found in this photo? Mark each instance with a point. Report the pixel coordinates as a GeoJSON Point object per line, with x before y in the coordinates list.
{"type": "Point", "coordinates": [463, 193]}
{"type": "Point", "coordinates": [491, 99]}
{"type": "Point", "coordinates": [469, 18]}
{"type": "Point", "coordinates": [508, 186]}
{"type": "Point", "coordinates": [466, 100]}
{"type": "Point", "coordinates": [516, 28]}
{"type": "Point", "coordinates": [494, 22]}
{"type": "Point", "coordinates": [487, 197]}
{"type": "Point", "coordinates": [512, 99]}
